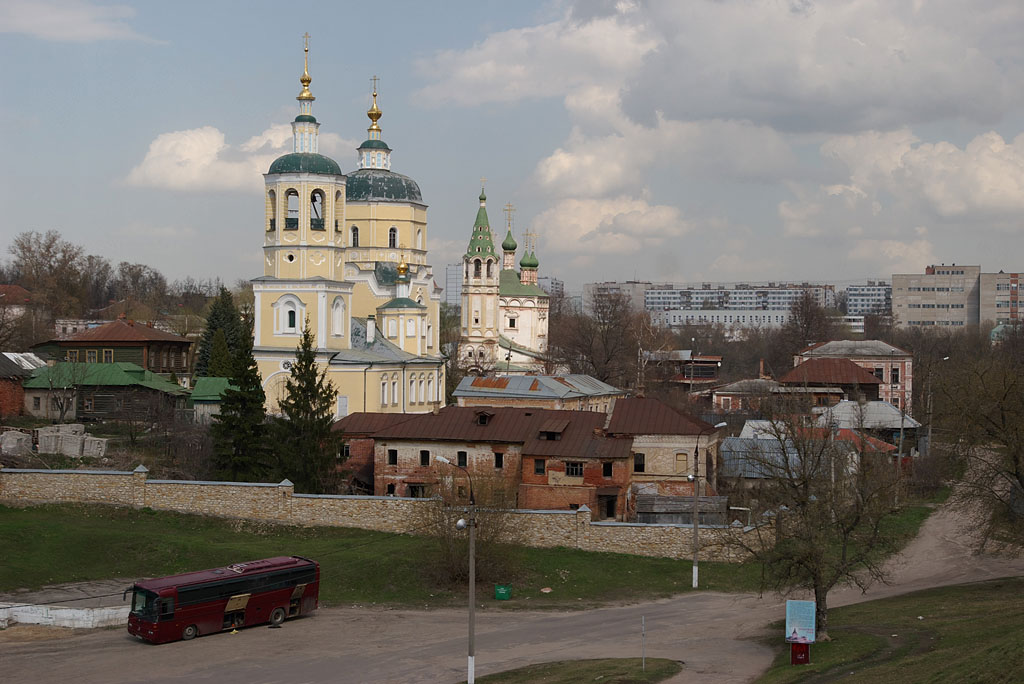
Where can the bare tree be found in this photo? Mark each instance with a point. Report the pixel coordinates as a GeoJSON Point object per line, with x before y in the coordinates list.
{"type": "Point", "coordinates": [64, 380]}
{"type": "Point", "coordinates": [830, 499]}
{"type": "Point", "coordinates": [602, 344]}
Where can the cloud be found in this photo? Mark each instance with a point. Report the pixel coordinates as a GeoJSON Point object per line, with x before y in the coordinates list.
{"type": "Point", "coordinates": [537, 61]}
{"type": "Point", "coordinates": [983, 180]}
{"type": "Point", "coordinates": [621, 225]}
{"type": "Point", "coordinates": [68, 21]}
{"type": "Point", "coordinates": [200, 159]}
{"type": "Point", "coordinates": [895, 256]}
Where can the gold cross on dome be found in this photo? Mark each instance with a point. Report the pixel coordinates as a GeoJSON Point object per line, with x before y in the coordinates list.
{"type": "Point", "coordinates": [375, 79]}
{"type": "Point", "coordinates": [305, 40]}
{"type": "Point", "coordinates": [531, 240]}
{"type": "Point", "coordinates": [483, 181]}
{"type": "Point", "coordinates": [509, 210]}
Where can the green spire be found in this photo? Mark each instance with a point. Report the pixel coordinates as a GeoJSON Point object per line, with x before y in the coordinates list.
{"type": "Point", "coordinates": [481, 243]}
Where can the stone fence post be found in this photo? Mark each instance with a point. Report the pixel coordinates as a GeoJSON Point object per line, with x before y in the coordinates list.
{"type": "Point", "coordinates": [583, 527]}
{"type": "Point", "coordinates": [139, 485]}
{"type": "Point", "coordinates": [284, 505]}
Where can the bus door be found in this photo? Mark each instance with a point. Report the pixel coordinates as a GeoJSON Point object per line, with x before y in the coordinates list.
{"type": "Point", "coordinates": [234, 611]}
{"type": "Point", "coordinates": [295, 605]}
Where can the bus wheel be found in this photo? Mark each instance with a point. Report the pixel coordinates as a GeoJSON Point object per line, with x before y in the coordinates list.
{"type": "Point", "coordinates": [277, 617]}
{"type": "Point", "coordinates": [190, 632]}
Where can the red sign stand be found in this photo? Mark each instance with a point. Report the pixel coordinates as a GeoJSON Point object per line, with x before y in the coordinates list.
{"type": "Point", "coordinates": [800, 654]}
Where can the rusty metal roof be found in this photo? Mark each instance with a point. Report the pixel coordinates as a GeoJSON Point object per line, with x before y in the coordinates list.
{"type": "Point", "coordinates": [125, 330]}
{"type": "Point", "coordinates": [366, 423]}
{"type": "Point", "coordinates": [581, 437]}
{"type": "Point", "coordinates": [644, 416]}
{"type": "Point", "coordinates": [829, 371]}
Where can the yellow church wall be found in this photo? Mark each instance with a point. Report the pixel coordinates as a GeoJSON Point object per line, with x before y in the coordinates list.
{"type": "Point", "coordinates": [272, 321]}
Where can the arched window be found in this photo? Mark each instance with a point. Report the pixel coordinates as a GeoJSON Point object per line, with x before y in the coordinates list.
{"type": "Point", "coordinates": [489, 263]}
{"type": "Point", "coordinates": [272, 210]}
{"type": "Point", "coordinates": [316, 210]}
{"type": "Point", "coordinates": [410, 327]}
{"type": "Point", "coordinates": [338, 317]}
{"type": "Point", "coordinates": [430, 335]}
{"type": "Point", "coordinates": [423, 397]}
{"type": "Point", "coordinates": [476, 268]}
{"type": "Point", "coordinates": [383, 390]}
{"type": "Point", "coordinates": [467, 269]}
{"type": "Point", "coordinates": [419, 239]}
{"type": "Point", "coordinates": [430, 388]}
{"type": "Point", "coordinates": [412, 390]}
{"type": "Point", "coordinates": [291, 222]}
{"type": "Point", "coordinates": [289, 311]}
{"type": "Point", "coordinates": [393, 237]}
{"type": "Point", "coordinates": [355, 237]}
{"type": "Point", "coordinates": [394, 389]}
{"type": "Point", "coordinates": [339, 213]}
{"type": "Point", "coordinates": [392, 328]}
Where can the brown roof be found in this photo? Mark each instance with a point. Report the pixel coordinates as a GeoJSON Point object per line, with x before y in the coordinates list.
{"type": "Point", "coordinates": [125, 330]}
{"type": "Point", "coordinates": [366, 423]}
{"type": "Point", "coordinates": [644, 416]}
{"type": "Point", "coordinates": [14, 293]}
{"type": "Point", "coordinates": [827, 371]}
{"type": "Point", "coordinates": [581, 437]}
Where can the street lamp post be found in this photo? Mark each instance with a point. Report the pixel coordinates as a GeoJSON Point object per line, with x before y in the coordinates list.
{"type": "Point", "coordinates": [471, 524]}
{"type": "Point", "coordinates": [696, 498]}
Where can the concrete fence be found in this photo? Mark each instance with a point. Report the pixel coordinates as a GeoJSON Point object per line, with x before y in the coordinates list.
{"type": "Point", "coordinates": [279, 503]}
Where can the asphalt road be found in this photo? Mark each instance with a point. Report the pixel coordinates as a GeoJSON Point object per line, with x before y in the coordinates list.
{"type": "Point", "coordinates": [713, 634]}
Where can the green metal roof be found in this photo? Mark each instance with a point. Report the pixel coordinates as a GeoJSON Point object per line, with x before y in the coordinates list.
{"type": "Point", "coordinates": [509, 285]}
{"type": "Point", "coordinates": [67, 374]}
{"type": "Point", "coordinates": [210, 389]}
{"type": "Point", "coordinates": [378, 185]}
{"type": "Point", "coordinates": [509, 245]}
{"type": "Point", "coordinates": [305, 162]}
{"type": "Point", "coordinates": [481, 244]}
{"type": "Point", "coordinates": [374, 145]}
{"type": "Point", "coordinates": [401, 303]}
{"type": "Point", "coordinates": [307, 118]}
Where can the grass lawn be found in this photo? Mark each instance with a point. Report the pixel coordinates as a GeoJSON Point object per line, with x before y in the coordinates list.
{"type": "Point", "coordinates": [968, 633]}
{"type": "Point", "coordinates": [68, 543]}
{"type": "Point", "coordinates": [606, 671]}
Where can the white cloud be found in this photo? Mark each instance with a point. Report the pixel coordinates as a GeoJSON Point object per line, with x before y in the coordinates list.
{"type": "Point", "coordinates": [537, 61]}
{"type": "Point", "coordinates": [69, 21]}
{"type": "Point", "coordinates": [200, 159]}
{"type": "Point", "coordinates": [620, 225]}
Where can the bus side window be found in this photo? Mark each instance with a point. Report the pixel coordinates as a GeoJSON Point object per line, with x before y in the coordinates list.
{"type": "Point", "coordinates": [166, 609]}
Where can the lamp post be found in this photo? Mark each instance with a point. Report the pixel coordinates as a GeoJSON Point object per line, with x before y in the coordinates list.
{"type": "Point", "coordinates": [696, 498]}
{"type": "Point", "coordinates": [471, 524]}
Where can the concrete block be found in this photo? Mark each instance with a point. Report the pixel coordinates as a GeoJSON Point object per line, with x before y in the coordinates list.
{"type": "Point", "coordinates": [49, 442]}
{"type": "Point", "coordinates": [94, 447]}
{"type": "Point", "coordinates": [71, 445]}
{"type": "Point", "coordinates": [15, 443]}
{"type": "Point", "coordinates": [72, 429]}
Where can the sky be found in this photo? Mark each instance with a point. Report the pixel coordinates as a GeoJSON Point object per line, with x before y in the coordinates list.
{"type": "Point", "coordinates": [728, 140]}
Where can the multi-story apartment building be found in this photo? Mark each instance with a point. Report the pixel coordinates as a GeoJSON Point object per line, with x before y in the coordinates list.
{"type": "Point", "coordinates": [633, 290]}
{"type": "Point", "coordinates": [453, 284]}
{"type": "Point", "coordinates": [553, 286]}
{"type": "Point", "coordinates": [730, 318]}
{"type": "Point", "coordinates": [741, 297]}
{"type": "Point", "coordinates": [999, 299]}
{"type": "Point", "coordinates": [943, 295]}
{"type": "Point", "coordinates": [875, 297]}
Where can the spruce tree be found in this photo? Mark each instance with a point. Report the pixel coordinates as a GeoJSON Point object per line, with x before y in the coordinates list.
{"type": "Point", "coordinates": [304, 443]}
{"type": "Point", "coordinates": [240, 431]}
{"type": "Point", "coordinates": [221, 363]}
{"type": "Point", "coordinates": [223, 315]}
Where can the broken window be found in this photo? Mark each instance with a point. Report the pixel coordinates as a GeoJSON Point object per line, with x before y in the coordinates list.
{"type": "Point", "coordinates": [638, 463]}
{"type": "Point", "coordinates": [392, 456]}
{"type": "Point", "coordinates": [499, 460]}
{"type": "Point", "coordinates": [574, 469]}
{"type": "Point", "coordinates": [606, 469]}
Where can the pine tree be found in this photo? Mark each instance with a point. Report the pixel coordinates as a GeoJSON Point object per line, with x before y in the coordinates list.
{"type": "Point", "coordinates": [223, 315]}
{"type": "Point", "coordinates": [304, 443]}
{"type": "Point", "coordinates": [240, 431]}
{"type": "Point", "coordinates": [221, 363]}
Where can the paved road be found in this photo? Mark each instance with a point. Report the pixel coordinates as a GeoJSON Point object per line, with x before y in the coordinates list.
{"type": "Point", "coordinates": [712, 633]}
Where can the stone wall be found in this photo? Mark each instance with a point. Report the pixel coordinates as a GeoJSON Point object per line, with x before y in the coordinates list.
{"type": "Point", "coordinates": [280, 503]}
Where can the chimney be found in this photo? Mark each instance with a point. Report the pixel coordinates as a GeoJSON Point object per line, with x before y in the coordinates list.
{"type": "Point", "coordinates": [436, 409]}
{"type": "Point", "coordinates": [371, 328]}
{"type": "Point", "coordinates": [760, 372]}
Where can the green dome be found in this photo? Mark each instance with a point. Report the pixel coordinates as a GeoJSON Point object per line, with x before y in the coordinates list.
{"type": "Point", "coordinates": [378, 185]}
{"type": "Point", "coordinates": [308, 118]}
{"type": "Point", "coordinates": [509, 245]}
{"type": "Point", "coordinates": [374, 145]}
{"type": "Point", "coordinates": [305, 162]}
{"type": "Point", "coordinates": [529, 261]}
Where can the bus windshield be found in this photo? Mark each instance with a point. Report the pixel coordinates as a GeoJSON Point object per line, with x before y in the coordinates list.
{"type": "Point", "coordinates": [144, 604]}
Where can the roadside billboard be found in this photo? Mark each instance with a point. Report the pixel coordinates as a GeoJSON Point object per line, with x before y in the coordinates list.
{"type": "Point", "coordinates": [800, 622]}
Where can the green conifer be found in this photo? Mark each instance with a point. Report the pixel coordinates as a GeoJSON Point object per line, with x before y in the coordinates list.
{"type": "Point", "coordinates": [240, 431]}
{"type": "Point", "coordinates": [223, 315]}
{"type": "Point", "coordinates": [221, 363]}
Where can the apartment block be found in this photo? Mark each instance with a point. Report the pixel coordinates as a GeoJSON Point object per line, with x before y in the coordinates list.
{"type": "Point", "coordinates": [943, 295]}
{"type": "Point", "coordinates": [999, 298]}
{"type": "Point", "coordinates": [875, 297]}
{"type": "Point", "coordinates": [741, 297]}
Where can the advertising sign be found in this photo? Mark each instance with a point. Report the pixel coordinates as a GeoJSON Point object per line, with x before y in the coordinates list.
{"type": "Point", "coordinates": [800, 622]}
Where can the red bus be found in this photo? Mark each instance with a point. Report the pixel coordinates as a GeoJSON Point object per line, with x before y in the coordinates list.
{"type": "Point", "coordinates": [193, 603]}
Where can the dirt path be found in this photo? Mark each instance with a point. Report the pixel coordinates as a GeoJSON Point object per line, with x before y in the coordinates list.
{"type": "Point", "coordinates": [713, 634]}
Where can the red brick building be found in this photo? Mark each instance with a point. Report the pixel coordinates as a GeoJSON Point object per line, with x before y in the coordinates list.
{"type": "Point", "coordinates": [12, 394]}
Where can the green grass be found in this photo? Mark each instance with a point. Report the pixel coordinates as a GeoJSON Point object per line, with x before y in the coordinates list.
{"type": "Point", "coordinates": [69, 543]}
{"type": "Point", "coordinates": [605, 671]}
{"type": "Point", "coordinates": [968, 633]}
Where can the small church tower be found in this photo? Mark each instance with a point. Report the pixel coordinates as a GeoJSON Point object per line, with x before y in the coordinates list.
{"type": "Point", "coordinates": [480, 282]}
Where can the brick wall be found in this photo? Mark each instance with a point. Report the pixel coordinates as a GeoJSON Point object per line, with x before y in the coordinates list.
{"type": "Point", "coordinates": [280, 503]}
{"type": "Point", "coordinates": [12, 397]}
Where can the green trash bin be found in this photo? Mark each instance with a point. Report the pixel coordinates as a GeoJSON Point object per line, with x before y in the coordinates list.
{"type": "Point", "coordinates": [502, 592]}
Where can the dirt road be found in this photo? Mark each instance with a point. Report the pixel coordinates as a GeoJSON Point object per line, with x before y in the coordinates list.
{"type": "Point", "coordinates": [712, 633]}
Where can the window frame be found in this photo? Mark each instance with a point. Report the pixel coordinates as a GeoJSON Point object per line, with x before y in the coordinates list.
{"type": "Point", "coordinates": [639, 462]}
{"type": "Point", "coordinates": [539, 466]}
{"type": "Point", "coordinates": [392, 457]}
{"type": "Point", "coordinates": [574, 469]}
